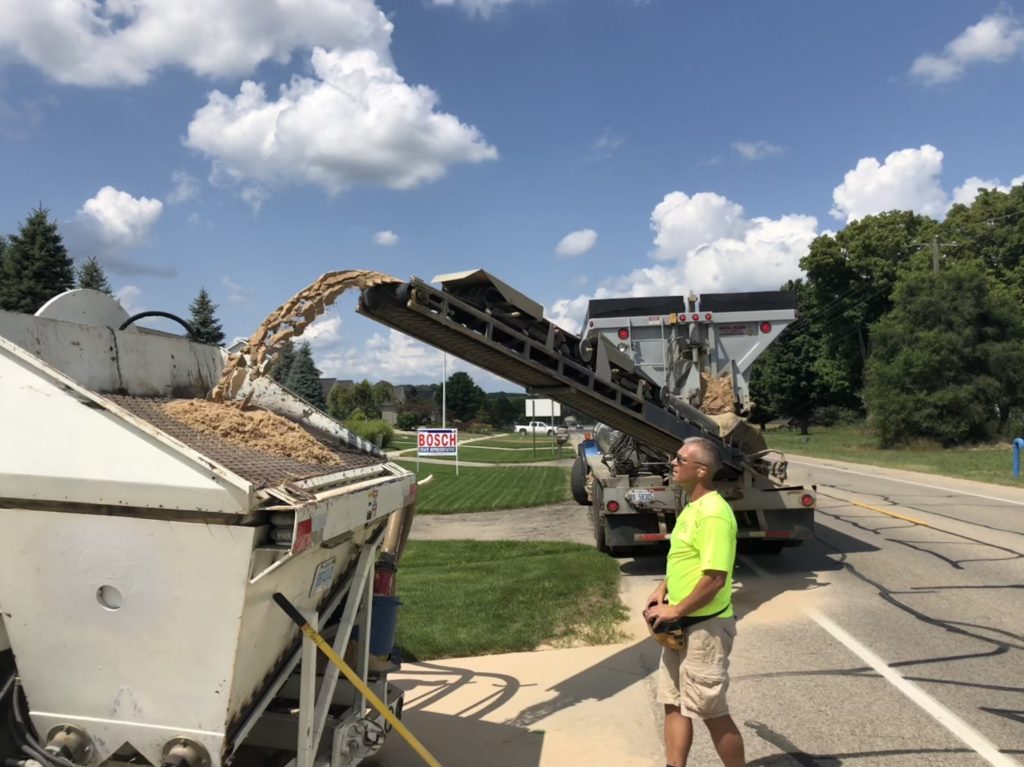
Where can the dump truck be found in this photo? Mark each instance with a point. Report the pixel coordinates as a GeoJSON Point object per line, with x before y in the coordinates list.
{"type": "Point", "coordinates": [142, 555]}
{"type": "Point", "coordinates": [643, 369]}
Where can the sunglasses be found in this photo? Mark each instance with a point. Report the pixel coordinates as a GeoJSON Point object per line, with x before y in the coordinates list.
{"type": "Point", "coordinates": [682, 461]}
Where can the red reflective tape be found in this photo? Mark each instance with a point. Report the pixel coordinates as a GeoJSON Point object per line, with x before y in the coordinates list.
{"type": "Point", "coordinates": [303, 536]}
{"type": "Point", "coordinates": [651, 536]}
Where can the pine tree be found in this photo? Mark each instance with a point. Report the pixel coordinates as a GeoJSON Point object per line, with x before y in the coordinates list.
{"type": "Point", "coordinates": [304, 378]}
{"type": "Point", "coordinates": [35, 266]}
{"type": "Point", "coordinates": [205, 326]}
{"type": "Point", "coordinates": [90, 275]}
{"type": "Point", "coordinates": [282, 365]}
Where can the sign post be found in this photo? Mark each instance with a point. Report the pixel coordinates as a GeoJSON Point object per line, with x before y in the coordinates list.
{"type": "Point", "coordinates": [434, 442]}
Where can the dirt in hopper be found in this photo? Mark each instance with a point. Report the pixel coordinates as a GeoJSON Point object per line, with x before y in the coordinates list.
{"type": "Point", "coordinates": [718, 396]}
{"type": "Point", "coordinates": [257, 429]}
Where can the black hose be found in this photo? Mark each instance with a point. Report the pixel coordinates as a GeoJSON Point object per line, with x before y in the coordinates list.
{"type": "Point", "coordinates": [167, 315]}
{"type": "Point", "coordinates": [29, 745]}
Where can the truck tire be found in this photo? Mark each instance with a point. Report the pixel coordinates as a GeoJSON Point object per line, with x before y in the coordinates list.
{"type": "Point", "coordinates": [578, 482]}
{"type": "Point", "coordinates": [599, 538]}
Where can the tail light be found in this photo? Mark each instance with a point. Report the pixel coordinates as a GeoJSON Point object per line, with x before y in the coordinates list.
{"type": "Point", "coordinates": [624, 334]}
{"type": "Point", "coordinates": [807, 500]}
{"type": "Point", "coordinates": [613, 506]}
{"type": "Point", "coordinates": [766, 327]}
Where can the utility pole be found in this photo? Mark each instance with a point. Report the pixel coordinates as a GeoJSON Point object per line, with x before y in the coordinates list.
{"type": "Point", "coordinates": [936, 255]}
{"type": "Point", "coordinates": [444, 387]}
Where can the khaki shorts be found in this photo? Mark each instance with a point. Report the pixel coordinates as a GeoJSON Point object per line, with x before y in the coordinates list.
{"type": "Point", "coordinates": [697, 679]}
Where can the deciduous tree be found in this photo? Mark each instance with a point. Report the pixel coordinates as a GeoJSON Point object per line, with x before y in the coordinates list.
{"type": "Point", "coordinates": [464, 397]}
{"type": "Point", "coordinates": [947, 359]}
{"type": "Point", "coordinates": [794, 376]}
{"type": "Point", "coordinates": [852, 275]}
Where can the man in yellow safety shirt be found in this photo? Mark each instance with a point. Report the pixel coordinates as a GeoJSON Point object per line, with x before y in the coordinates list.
{"type": "Point", "coordinates": [694, 603]}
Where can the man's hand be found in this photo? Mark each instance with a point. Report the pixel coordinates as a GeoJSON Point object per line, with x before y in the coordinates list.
{"type": "Point", "coordinates": [659, 613]}
{"type": "Point", "coordinates": [657, 596]}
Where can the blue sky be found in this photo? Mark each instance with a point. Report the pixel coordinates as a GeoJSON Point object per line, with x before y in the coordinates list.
{"type": "Point", "coordinates": [575, 148]}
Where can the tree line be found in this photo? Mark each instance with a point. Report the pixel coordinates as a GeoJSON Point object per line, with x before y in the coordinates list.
{"type": "Point", "coordinates": [914, 323]}
{"type": "Point", "coordinates": [35, 266]}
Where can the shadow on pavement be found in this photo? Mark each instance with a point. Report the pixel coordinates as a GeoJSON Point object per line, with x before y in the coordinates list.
{"type": "Point", "coordinates": [599, 682]}
{"type": "Point", "coordinates": [466, 712]}
{"type": "Point", "coordinates": [460, 742]}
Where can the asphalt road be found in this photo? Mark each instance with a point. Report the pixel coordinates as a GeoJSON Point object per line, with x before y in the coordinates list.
{"type": "Point", "coordinates": [895, 637]}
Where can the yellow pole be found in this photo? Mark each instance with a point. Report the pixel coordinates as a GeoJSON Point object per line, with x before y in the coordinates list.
{"type": "Point", "coordinates": [377, 703]}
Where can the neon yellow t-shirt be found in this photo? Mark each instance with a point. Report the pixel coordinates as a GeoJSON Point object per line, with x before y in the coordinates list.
{"type": "Point", "coordinates": [704, 538]}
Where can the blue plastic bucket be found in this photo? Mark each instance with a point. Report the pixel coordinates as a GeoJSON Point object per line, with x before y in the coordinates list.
{"type": "Point", "coordinates": [384, 623]}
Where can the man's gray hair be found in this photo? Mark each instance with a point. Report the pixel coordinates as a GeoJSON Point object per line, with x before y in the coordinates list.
{"type": "Point", "coordinates": [706, 453]}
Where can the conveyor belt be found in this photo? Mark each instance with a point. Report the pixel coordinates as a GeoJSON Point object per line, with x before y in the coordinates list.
{"type": "Point", "coordinates": [523, 350]}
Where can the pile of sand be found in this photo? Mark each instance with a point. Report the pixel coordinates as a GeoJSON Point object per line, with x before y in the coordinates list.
{"type": "Point", "coordinates": [257, 429]}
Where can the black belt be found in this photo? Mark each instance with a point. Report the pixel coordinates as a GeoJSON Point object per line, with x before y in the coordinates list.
{"type": "Point", "coordinates": [693, 620]}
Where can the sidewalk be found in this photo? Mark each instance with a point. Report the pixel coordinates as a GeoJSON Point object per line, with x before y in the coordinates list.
{"type": "Point", "coordinates": [585, 706]}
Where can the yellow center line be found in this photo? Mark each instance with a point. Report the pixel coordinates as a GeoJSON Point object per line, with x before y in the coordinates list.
{"type": "Point", "coordinates": [890, 513]}
{"type": "Point", "coordinates": [869, 507]}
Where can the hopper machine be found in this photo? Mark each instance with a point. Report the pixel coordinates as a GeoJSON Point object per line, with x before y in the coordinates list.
{"type": "Point", "coordinates": [144, 531]}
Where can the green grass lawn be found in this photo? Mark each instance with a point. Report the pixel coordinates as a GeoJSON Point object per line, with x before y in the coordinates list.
{"type": "Point", "coordinates": [477, 488]}
{"type": "Point", "coordinates": [464, 598]}
{"type": "Point", "coordinates": [986, 463]}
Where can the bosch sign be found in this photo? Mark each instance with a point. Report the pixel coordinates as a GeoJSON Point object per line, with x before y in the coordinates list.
{"type": "Point", "coordinates": [437, 442]}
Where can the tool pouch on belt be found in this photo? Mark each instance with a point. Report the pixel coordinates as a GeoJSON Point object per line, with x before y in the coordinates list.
{"type": "Point", "coordinates": [672, 634]}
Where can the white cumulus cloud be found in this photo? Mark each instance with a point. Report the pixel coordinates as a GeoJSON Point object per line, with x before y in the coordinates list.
{"type": "Point", "coordinates": [357, 122]}
{"type": "Point", "coordinates": [997, 37]}
{"type": "Point", "coordinates": [129, 297]}
{"type": "Point", "coordinates": [756, 150]}
{"type": "Point", "coordinates": [324, 332]}
{"type": "Point", "coordinates": [906, 180]}
{"type": "Point", "coordinates": [125, 42]}
{"type": "Point", "coordinates": [386, 238]}
{"type": "Point", "coordinates": [111, 226]}
{"type": "Point", "coordinates": [705, 243]}
{"type": "Point", "coordinates": [397, 358]}
{"type": "Point", "coordinates": [576, 243]}
{"type": "Point", "coordinates": [967, 191]}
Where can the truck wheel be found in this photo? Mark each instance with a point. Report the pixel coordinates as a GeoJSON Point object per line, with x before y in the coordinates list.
{"type": "Point", "coordinates": [578, 482]}
{"type": "Point", "coordinates": [599, 539]}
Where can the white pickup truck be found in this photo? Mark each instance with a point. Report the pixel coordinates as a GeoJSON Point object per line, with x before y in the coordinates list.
{"type": "Point", "coordinates": [535, 427]}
